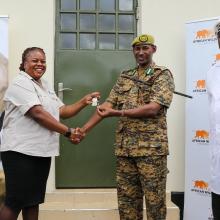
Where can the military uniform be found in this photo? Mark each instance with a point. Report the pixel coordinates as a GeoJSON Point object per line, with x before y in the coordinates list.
{"type": "Point", "coordinates": [141, 144]}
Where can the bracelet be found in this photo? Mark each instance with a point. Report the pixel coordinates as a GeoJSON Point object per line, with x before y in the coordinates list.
{"type": "Point", "coordinates": [122, 113]}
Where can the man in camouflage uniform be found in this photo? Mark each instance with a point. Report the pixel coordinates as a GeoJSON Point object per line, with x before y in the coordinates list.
{"type": "Point", "coordinates": [140, 97]}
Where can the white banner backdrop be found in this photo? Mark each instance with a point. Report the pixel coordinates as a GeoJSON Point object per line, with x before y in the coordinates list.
{"type": "Point", "coordinates": [201, 53]}
{"type": "Point", "coordinates": [3, 57]}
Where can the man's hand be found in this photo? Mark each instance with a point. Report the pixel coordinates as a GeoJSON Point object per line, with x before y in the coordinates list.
{"type": "Point", "coordinates": [105, 111]}
{"type": "Point", "coordinates": [77, 136]}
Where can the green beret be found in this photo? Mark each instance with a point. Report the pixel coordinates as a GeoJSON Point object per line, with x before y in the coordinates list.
{"type": "Point", "coordinates": [144, 38]}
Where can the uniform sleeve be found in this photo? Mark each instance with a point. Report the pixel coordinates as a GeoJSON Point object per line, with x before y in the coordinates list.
{"type": "Point", "coordinates": [112, 98]}
{"type": "Point", "coordinates": [162, 89]}
{"type": "Point", "coordinates": [22, 95]}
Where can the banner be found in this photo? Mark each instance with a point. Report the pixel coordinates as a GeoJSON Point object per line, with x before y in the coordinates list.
{"type": "Point", "coordinates": [201, 53]}
{"type": "Point", "coordinates": [3, 58]}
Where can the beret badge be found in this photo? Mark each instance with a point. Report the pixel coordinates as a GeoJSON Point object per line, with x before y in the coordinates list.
{"type": "Point", "coordinates": [143, 38]}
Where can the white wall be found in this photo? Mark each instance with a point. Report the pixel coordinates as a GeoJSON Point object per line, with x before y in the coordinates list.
{"type": "Point", "coordinates": [31, 23]}
{"type": "Point", "coordinates": [166, 21]}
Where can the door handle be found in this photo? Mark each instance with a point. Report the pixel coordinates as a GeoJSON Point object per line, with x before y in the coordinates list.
{"type": "Point", "coordinates": [61, 89]}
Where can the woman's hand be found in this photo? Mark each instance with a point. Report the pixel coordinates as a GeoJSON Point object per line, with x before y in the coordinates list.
{"type": "Point", "coordinates": [67, 111]}
{"type": "Point", "coordinates": [87, 99]}
{"type": "Point", "coordinates": [77, 135]}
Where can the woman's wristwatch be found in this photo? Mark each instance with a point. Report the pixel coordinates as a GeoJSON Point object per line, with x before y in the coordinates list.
{"type": "Point", "coordinates": [68, 133]}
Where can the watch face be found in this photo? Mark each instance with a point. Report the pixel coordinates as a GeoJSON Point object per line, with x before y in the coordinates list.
{"type": "Point", "coordinates": [68, 133]}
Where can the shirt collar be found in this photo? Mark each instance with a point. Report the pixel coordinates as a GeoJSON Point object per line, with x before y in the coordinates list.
{"type": "Point", "coordinates": [152, 65]}
{"type": "Point", "coordinates": [31, 78]}
{"type": "Point", "coordinates": [26, 75]}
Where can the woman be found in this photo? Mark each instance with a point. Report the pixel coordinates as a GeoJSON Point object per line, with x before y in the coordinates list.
{"type": "Point", "coordinates": [30, 135]}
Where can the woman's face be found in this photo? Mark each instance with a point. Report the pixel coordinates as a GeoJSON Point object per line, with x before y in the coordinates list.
{"type": "Point", "coordinates": [35, 64]}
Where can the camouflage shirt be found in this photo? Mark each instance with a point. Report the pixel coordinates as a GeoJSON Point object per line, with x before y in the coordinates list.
{"type": "Point", "coordinates": [142, 136]}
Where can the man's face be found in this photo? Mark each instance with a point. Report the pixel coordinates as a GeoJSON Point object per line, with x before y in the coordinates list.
{"type": "Point", "coordinates": [143, 53]}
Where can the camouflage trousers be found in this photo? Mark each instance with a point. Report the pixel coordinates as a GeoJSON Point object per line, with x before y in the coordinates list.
{"type": "Point", "coordinates": [138, 177]}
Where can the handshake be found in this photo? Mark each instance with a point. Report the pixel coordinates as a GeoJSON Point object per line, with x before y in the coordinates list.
{"type": "Point", "coordinates": [77, 135]}
{"type": "Point", "coordinates": [103, 111]}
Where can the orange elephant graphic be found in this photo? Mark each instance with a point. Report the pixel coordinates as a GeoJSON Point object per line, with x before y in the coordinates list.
{"type": "Point", "coordinates": [202, 134]}
{"type": "Point", "coordinates": [204, 34]}
{"type": "Point", "coordinates": [201, 184]}
{"type": "Point", "coordinates": [201, 84]}
{"type": "Point", "coordinates": [217, 56]}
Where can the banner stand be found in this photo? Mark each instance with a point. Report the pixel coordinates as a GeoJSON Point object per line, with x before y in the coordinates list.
{"type": "Point", "coordinates": [201, 53]}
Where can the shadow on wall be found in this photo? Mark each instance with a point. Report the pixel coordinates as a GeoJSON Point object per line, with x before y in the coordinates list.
{"type": "Point", "coordinates": [3, 78]}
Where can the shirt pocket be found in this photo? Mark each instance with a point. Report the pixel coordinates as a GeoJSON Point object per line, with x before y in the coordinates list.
{"type": "Point", "coordinates": [45, 100]}
{"type": "Point", "coordinates": [152, 132]}
{"type": "Point", "coordinates": [50, 102]}
{"type": "Point", "coordinates": [53, 95]}
{"type": "Point", "coordinates": [123, 92]}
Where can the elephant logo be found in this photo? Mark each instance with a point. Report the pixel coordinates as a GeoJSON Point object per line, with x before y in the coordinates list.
{"type": "Point", "coordinates": [205, 33]}
{"type": "Point", "coordinates": [201, 184]}
{"type": "Point", "coordinates": [217, 56]}
{"type": "Point", "coordinates": [202, 134]}
{"type": "Point", "coordinates": [201, 84]}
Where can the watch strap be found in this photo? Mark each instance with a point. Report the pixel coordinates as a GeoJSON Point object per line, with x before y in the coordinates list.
{"type": "Point", "coordinates": [68, 132]}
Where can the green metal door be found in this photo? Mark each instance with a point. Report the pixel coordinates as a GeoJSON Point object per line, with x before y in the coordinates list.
{"type": "Point", "coordinates": [92, 47]}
